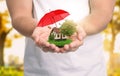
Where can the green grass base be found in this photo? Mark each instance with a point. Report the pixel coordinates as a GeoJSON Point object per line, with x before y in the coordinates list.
{"type": "Point", "coordinates": [60, 43]}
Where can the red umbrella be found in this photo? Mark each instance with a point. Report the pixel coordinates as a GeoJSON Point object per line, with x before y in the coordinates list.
{"type": "Point", "coordinates": [52, 17]}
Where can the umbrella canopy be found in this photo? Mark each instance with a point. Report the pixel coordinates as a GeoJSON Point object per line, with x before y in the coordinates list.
{"type": "Point", "coordinates": [52, 17]}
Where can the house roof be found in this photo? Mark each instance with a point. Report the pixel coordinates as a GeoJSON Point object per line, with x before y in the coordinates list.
{"type": "Point", "coordinates": [55, 29]}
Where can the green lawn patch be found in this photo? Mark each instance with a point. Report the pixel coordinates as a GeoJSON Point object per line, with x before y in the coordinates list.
{"type": "Point", "coordinates": [60, 43]}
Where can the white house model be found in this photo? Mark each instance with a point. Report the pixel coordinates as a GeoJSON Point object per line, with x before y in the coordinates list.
{"type": "Point", "coordinates": [57, 34]}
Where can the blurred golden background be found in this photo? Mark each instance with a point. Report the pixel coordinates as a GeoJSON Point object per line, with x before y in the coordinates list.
{"type": "Point", "coordinates": [12, 44]}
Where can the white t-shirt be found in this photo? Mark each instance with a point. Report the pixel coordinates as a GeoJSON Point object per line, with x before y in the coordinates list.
{"type": "Point", "coordinates": [88, 60]}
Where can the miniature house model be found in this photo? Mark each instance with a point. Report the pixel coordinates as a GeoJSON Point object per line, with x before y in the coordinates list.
{"type": "Point", "coordinates": [57, 34]}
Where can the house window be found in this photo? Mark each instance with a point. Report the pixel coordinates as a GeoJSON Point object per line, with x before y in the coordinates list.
{"type": "Point", "coordinates": [63, 35]}
{"type": "Point", "coordinates": [58, 35]}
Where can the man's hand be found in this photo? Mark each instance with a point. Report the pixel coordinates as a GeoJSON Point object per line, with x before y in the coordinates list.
{"type": "Point", "coordinates": [77, 41]}
{"type": "Point", "coordinates": [40, 36]}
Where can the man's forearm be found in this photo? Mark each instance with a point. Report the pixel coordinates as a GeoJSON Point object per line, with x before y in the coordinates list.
{"type": "Point", "coordinates": [21, 15]}
{"type": "Point", "coordinates": [95, 23]}
{"type": "Point", "coordinates": [24, 25]}
{"type": "Point", "coordinates": [100, 15]}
